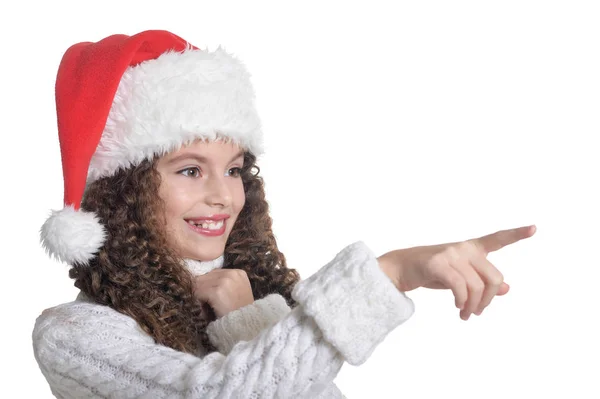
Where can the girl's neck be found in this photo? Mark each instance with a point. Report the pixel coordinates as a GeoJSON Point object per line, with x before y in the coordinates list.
{"type": "Point", "coordinates": [197, 267]}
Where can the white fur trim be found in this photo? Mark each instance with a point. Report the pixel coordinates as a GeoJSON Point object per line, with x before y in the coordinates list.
{"type": "Point", "coordinates": [170, 101]}
{"type": "Point", "coordinates": [72, 236]}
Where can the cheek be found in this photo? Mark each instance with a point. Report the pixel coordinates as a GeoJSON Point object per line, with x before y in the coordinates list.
{"type": "Point", "coordinates": [175, 209]}
{"type": "Point", "coordinates": [239, 198]}
{"type": "Point", "coordinates": [173, 200]}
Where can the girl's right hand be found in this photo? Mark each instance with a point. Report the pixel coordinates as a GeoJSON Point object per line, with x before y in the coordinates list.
{"type": "Point", "coordinates": [223, 290]}
{"type": "Point", "coordinates": [459, 266]}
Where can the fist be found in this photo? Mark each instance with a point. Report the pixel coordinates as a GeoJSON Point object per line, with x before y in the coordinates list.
{"type": "Point", "coordinates": [460, 266]}
{"type": "Point", "coordinates": [224, 290]}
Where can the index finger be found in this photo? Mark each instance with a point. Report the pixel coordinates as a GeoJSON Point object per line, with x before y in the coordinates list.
{"type": "Point", "coordinates": [500, 239]}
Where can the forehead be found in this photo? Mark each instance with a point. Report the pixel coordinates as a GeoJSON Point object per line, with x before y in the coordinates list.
{"type": "Point", "coordinates": [213, 151]}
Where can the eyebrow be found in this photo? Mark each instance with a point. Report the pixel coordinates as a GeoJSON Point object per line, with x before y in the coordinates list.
{"type": "Point", "coordinates": [200, 158]}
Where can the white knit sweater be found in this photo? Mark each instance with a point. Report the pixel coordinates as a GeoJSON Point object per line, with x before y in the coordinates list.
{"type": "Point", "coordinates": [266, 349]}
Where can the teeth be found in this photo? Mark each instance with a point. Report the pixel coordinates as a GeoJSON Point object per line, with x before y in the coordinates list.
{"type": "Point", "coordinates": [213, 225]}
{"type": "Point", "coordinates": [208, 225]}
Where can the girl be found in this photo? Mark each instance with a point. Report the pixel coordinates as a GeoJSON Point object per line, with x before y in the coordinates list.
{"type": "Point", "coordinates": [184, 292]}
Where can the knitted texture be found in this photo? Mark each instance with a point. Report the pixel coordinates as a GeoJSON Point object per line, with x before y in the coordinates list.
{"type": "Point", "coordinates": [88, 350]}
{"type": "Point", "coordinates": [353, 302]}
{"type": "Point", "coordinates": [247, 322]}
{"type": "Point", "coordinates": [198, 268]}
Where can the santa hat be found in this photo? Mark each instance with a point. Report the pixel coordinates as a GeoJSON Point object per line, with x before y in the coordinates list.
{"type": "Point", "coordinates": [125, 99]}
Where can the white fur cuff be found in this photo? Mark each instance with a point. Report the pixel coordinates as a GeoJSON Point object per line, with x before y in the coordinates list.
{"type": "Point", "coordinates": [353, 302]}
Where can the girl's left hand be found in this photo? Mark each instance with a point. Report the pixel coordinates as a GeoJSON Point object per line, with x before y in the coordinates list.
{"type": "Point", "coordinates": [225, 290]}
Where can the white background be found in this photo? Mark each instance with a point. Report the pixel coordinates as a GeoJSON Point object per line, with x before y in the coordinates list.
{"type": "Point", "coordinates": [395, 123]}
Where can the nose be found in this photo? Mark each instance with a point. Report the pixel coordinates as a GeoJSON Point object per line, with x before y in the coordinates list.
{"type": "Point", "coordinates": [217, 192]}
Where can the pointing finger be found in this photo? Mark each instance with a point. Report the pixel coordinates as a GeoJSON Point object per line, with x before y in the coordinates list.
{"type": "Point", "coordinates": [500, 239]}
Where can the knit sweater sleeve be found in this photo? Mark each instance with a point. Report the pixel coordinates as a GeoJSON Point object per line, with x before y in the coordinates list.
{"type": "Point", "coordinates": [247, 322]}
{"type": "Point", "coordinates": [345, 310]}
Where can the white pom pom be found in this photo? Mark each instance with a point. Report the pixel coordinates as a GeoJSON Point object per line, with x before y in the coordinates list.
{"type": "Point", "coordinates": [72, 236]}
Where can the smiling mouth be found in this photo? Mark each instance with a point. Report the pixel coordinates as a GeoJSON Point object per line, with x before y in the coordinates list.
{"type": "Point", "coordinates": [207, 225]}
{"type": "Point", "coordinates": [210, 229]}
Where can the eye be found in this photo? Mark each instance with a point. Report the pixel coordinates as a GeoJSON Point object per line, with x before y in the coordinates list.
{"type": "Point", "coordinates": [190, 172]}
{"type": "Point", "coordinates": [238, 172]}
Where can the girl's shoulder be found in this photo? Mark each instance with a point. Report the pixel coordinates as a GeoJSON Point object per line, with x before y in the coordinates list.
{"type": "Point", "coordinates": [82, 319]}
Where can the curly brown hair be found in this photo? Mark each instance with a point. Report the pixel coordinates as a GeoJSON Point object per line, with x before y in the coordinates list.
{"type": "Point", "coordinates": [138, 274]}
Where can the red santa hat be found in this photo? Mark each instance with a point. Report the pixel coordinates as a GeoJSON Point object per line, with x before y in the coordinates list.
{"type": "Point", "coordinates": [128, 98]}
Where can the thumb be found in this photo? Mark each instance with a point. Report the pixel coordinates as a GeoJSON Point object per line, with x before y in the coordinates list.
{"type": "Point", "coordinates": [503, 289]}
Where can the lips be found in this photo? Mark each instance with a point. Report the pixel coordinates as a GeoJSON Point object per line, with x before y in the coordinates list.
{"type": "Point", "coordinates": [208, 232]}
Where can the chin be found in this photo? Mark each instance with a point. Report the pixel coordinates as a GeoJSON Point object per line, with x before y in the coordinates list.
{"type": "Point", "coordinates": [207, 254]}
{"type": "Point", "coordinates": [205, 249]}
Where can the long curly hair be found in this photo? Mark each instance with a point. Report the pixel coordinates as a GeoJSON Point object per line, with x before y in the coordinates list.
{"type": "Point", "coordinates": [138, 274]}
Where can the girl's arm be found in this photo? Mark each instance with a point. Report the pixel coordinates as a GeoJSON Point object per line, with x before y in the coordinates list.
{"type": "Point", "coordinates": [345, 310]}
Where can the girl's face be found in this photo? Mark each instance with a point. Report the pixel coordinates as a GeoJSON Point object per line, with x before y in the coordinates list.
{"type": "Point", "coordinates": [200, 181]}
